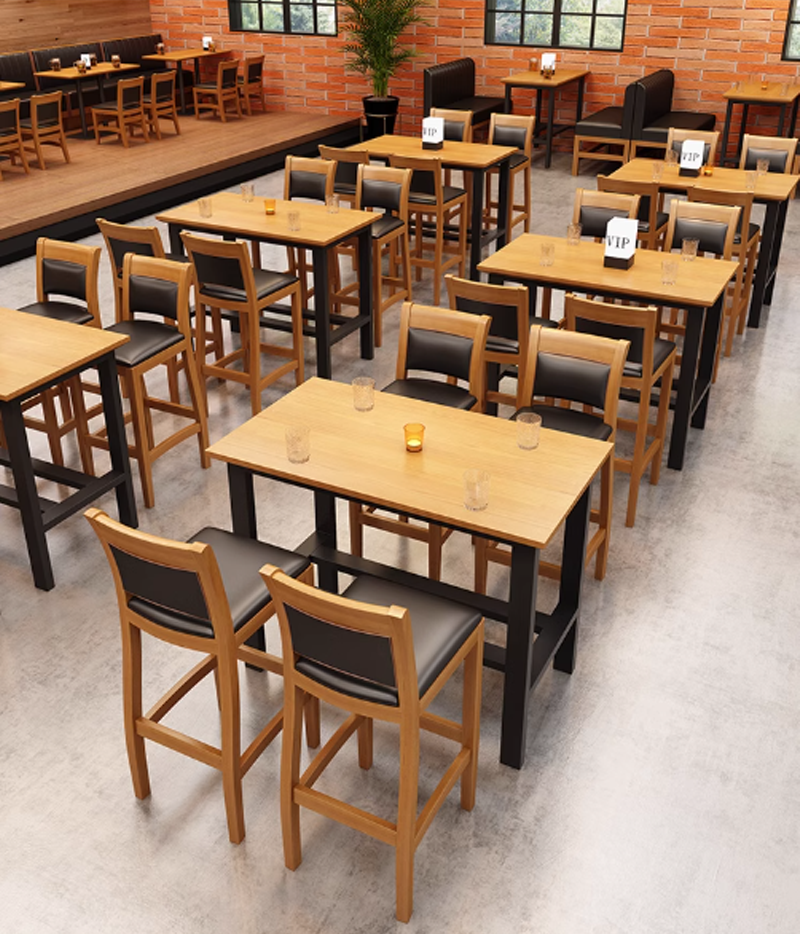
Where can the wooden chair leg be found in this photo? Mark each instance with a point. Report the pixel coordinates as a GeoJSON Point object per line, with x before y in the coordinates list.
{"type": "Point", "coordinates": [481, 563]}
{"type": "Point", "coordinates": [407, 819]}
{"type": "Point", "coordinates": [606, 505]}
{"type": "Point", "coordinates": [135, 385]}
{"type": "Point", "coordinates": [199, 405]}
{"type": "Point", "coordinates": [356, 530]}
{"type": "Point", "coordinates": [637, 461]}
{"type": "Point", "coordinates": [290, 776]}
{"type": "Point", "coordinates": [470, 721]}
{"type": "Point", "coordinates": [365, 745]}
{"type": "Point", "coordinates": [132, 708]}
{"type": "Point", "coordinates": [230, 745]}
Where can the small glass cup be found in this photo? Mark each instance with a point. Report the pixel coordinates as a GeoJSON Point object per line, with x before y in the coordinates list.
{"type": "Point", "coordinates": [298, 443]}
{"type": "Point", "coordinates": [764, 83]}
{"type": "Point", "coordinates": [750, 179]}
{"type": "Point", "coordinates": [658, 169]}
{"type": "Point", "coordinates": [81, 66]}
{"type": "Point", "coordinates": [670, 157]}
{"type": "Point", "coordinates": [784, 90]}
{"type": "Point", "coordinates": [414, 434]}
{"type": "Point", "coordinates": [689, 249]}
{"type": "Point", "coordinates": [363, 393]}
{"type": "Point", "coordinates": [294, 220]}
{"type": "Point", "coordinates": [332, 202]}
{"type": "Point", "coordinates": [205, 206]}
{"type": "Point", "coordinates": [476, 489]}
{"type": "Point", "coordinates": [528, 426]}
{"type": "Point", "coordinates": [573, 234]}
{"type": "Point", "coordinates": [762, 166]}
{"type": "Point", "coordinates": [269, 205]}
{"type": "Point", "coordinates": [92, 60]}
{"type": "Point", "coordinates": [248, 191]}
{"type": "Point", "coordinates": [159, 48]}
{"type": "Point", "coordinates": [533, 64]}
{"type": "Point", "coordinates": [115, 61]}
{"type": "Point", "coordinates": [669, 271]}
{"type": "Point", "coordinates": [708, 169]}
{"type": "Point", "coordinates": [548, 251]}
{"type": "Point", "coordinates": [55, 64]}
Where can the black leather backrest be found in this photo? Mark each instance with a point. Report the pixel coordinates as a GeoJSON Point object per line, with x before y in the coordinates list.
{"type": "Point", "coordinates": [653, 98]}
{"type": "Point", "coordinates": [310, 185]}
{"type": "Point", "coordinates": [449, 82]}
{"type": "Point", "coordinates": [358, 654]}
{"type": "Point", "coordinates": [423, 182]}
{"type": "Point", "coordinates": [439, 353]}
{"type": "Point", "coordinates": [153, 296]}
{"type": "Point", "coordinates": [594, 219]}
{"type": "Point", "coordinates": [217, 270]}
{"type": "Point", "coordinates": [776, 159]}
{"type": "Point", "coordinates": [165, 91]}
{"type": "Point", "coordinates": [132, 96]}
{"type": "Point", "coordinates": [131, 50]}
{"type": "Point", "coordinates": [171, 588]}
{"type": "Point", "coordinates": [254, 70]}
{"type": "Point", "coordinates": [454, 130]}
{"type": "Point", "coordinates": [617, 332]}
{"type": "Point", "coordinates": [120, 247]}
{"type": "Point", "coordinates": [346, 173]}
{"type": "Point", "coordinates": [67, 53]}
{"type": "Point", "coordinates": [562, 377]}
{"type": "Point", "coordinates": [60, 277]}
{"type": "Point", "coordinates": [16, 66]}
{"type": "Point", "coordinates": [677, 145]}
{"type": "Point", "coordinates": [509, 136]}
{"type": "Point", "coordinates": [380, 194]}
{"type": "Point", "coordinates": [8, 121]}
{"type": "Point", "coordinates": [229, 78]}
{"type": "Point", "coordinates": [47, 114]}
{"type": "Point", "coordinates": [504, 317]}
{"type": "Point", "coordinates": [711, 234]}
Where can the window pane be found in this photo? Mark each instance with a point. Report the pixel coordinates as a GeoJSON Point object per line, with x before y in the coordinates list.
{"type": "Point", "coordinates": [273, 17]}
{"type": "Point", "coordinates": [611, 6]}
{"type": "Point", "coordinates": [576, 6]}
{"type": "Point", "coordinates": [509, 4]}
{"type": "Point", "coordinates": [539, 29]}
{"type": "Point", "coordinates": [793, 45]}
{"type": "Point", "coordinates": [608, 32]}
{"type": "Point", "coordinates": [250, 16]}
{"type": "Point", "coordinates": [576, 31]}
{"type": "Point", "coordinates": [326, 20]}
{"type": "Point", "coordinates": [302, 18]}
{"type": "Point", "coordinates": [507, 28]}
{"type": "Point", "coordinates": [539, 6]}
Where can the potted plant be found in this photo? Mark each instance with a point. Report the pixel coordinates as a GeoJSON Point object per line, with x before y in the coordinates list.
{"type": "Point", "coordinates": [373, 31]}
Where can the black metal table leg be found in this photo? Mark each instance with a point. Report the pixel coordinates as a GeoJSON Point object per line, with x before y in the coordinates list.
{"type": "Point", "coordinates": [243, 501]}
{"type": "Point", "coordinates": [476, 223]}
{"type": "Point", "coordinates": [181, 87]}
{"type": "Point", "coordinates": [325, 524]}
{"type": "Point", "coordinates": [706, 362]}
{"type": "Point", "coordinates": [551, 106]}
{"type": "Point", "coordinates": [19, 454]}
{"type": "Point", "coordinates": [726, 132]}
{"type": "Point", "coordinates": [81, 108]}
{"type": "Point", "coordinates": [742, 131]}
{"type": "Point", "coordinates": [507, 107]}
{"type": "Point", "coordinates": [322, 311]}
{"type": "Point", "coordinates": [367, 331]}
{"type": "Point", "coordinates": [579, 105]}
{"type": "Point", "coordinates": [117, 443]}
{"type": "Point", "coordinates": [519, 654]}
{"type": "Point", "coordinates": [573, 563]}
{"type": "Point", "coordinates": [685, 389]}
{"type": "Point", "coordinates": [504, 198]}
{"type": "Point", "coordinates": [777, 243]}
{"type": "Point", "coordinates": [764, 265]}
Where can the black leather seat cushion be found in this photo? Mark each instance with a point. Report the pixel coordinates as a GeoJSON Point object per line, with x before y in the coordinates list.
{"type": "Point", "coordinates": [439, 630]}
{"type": "Point", "coordinates": [266, 283]}
{"type": "Point", "coordinates": [572, 421]}
{"type": "Point", "coordinates": [606, 122]}
{"type": "Point", "coordinates": [661, 218]}
{"type": "Point", "coordinates": [481, 107]}
{"type": "Point", "coordinates": [661, 351]}
{"type": "Point", "coordinates": [239, 561]}
{"type": "Point", "coordinates": [449, 193]}
{"type": "Point", "coordinates": [177, 257]}
{"type": "Point", "coordinates": [752, 230]}
{"type": "Point", "coordinates": [658, 130]}
{"type": "Point", "coordinates": [385, 225]}
{"type": "Point", "coordinates": [431, 390]}
{"type": "Point", "coordinates": [60, 311]}
{"type": "Point", "coordinates": [519, 158]}
{"type": "Point", "coordinates": [147, 338]}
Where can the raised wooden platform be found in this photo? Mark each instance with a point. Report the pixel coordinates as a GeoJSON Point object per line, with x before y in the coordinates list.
{"type": "Point", "coordinates": [121, 184]}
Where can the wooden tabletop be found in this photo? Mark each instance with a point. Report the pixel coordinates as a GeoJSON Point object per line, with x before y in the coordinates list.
{"type": "Point", "coordinates": [182, 55]}
{"type": "Point", "coordinates": [11, 86]}
{"type": "Point", "coordinates": [34, 350]}
{"type": "Point", "coordinates": [72, 73]}
{"type": "Point", "coordinates": [535, 79]}
{"type": "Point", "coordinates": [455, 154]}
{"type": "Point", "coordinates": [362, 455]}
{"type": "Point", "coordinates": [230, 214]}
{"type": "Point", "coordinates": [774, 186]}
{"type": "Point", "coordinates": [699, 282]}
{"type": "Point", "coordinates": [753, 93]}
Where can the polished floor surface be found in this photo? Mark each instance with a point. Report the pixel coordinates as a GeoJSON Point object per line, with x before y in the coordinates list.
{"type": "Point", "coordinates": [660, 793]}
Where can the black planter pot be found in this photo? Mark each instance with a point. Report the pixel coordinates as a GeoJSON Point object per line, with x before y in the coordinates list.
{"type": "Point", "coordinates": [381, 114]}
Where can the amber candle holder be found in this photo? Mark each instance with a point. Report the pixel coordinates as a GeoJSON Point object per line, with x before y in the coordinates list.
{"type": "Point", "coordinates": [159, 48]}
{"type": "Point", "coordinates": [269, 205]}
{"type": "Point", "coordinates": [414, 434]}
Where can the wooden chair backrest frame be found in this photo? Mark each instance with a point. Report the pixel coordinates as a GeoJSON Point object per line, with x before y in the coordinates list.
{"type": "Point", "coordinates": [777, 143]}
{"type": "Point", "coordinates": [512, 296]}
{"type": "Point", "coordinates": [325, 167]}
{"type": "Point", "coordinates": [516, 121]}
{"type": "Point", "coordinates": [709, 137]}
{"type": "Point", "coordinates": [589, 197]}
{"type": "Point", "coordinates": [224, 249]}
{"type": "Point", "coordinates": [432, 167]}
{"type": "Point", "coordinates": [712, 213]}
{"type": "Point", "coordinates": [147, 236]}
{"type": "Point", "coordinates": [165, 270]}
{"type": "Point", "coordinates": [389, 175]}
{"type": "Point", "coordinates": [86, 256]}
{"type": "Point", "coordinates": [464, 117]}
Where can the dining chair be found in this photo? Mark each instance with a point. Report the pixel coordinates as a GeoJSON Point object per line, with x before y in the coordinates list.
{"type": "Point", "coordinates": [225, 279]}
{"type": "Point", "coordinates": [250, 83]}
{"type": "Point", "coordinates": [647, 374]}
{"type": "Point", "coordinates": [517, 131]}
{"type": "Point", "coordinates": [449, 344]}
{"type": "Point", "coordinates": [594, 209]}
{"type": "Point", "coordinates": [11, 134]}
{"type": "Point", "coordinates": [127, 113]}
{"type": "Point", "coordinates": [347, 163]}
{"type": "Point", "coordinates": [216, 95]}
{"type": "Point", "coordinates": [380, 651]}
{"type": "Point", "coordinates": [204, 595]}
{"type": "Point", "coordinates": [45, 126]}
{"type": "Point", "coordinates": [457, 129]}
{"type": "Point", "coordinates": [507, 341]}
{"type": "Point", "coordinates": [160, 102]}
{"type": "Point", "coordinates": [779, 151]}
{"type": "Point", "coordinates": [652, 219]}
{"type": "Point", "coordinates": [565, 369]}
{"type": "Point", "coordinates": [710, 138]}
{"type": "Point", "coordinates": [435, 209]}
{"type": "Point", "coordinates": [157, 288]}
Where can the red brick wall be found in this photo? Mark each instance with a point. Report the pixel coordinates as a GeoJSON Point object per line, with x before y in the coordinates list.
{"type": "Point", "coordinates": [708, 43]}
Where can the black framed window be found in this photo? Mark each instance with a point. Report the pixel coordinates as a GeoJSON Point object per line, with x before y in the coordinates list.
{"type": "Point", "coordinates": [557, 24]}
{"type": "Point", "coordinates": [791, 42]}
{"type": "Point", "coordinates": [301, 17]}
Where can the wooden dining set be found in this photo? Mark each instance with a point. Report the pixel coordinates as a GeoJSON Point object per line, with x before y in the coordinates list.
{"type": "Point", "coordinates": [361, 226]}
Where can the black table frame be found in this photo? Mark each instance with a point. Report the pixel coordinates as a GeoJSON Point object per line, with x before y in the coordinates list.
{"type": "Point", "coordinates": [498, 234]}
{"type": "Point", "coordinates": [769, 254]}
{"type": "Point", "coordinates": [693, 386]}
{"type": "Point", "coordinates": [523, 660]}
{"type": "Point", "coordinates": [746, 104]}
{"type": "Point", "coordinates": [551, 128]}
{"type": "Point", "coordinates": [317, 324]}
{"type": "Point", "coordinates": [38, 514]}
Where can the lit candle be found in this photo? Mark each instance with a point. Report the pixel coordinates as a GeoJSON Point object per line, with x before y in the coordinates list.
{"type": "Point", "coordinates": [414, 433]}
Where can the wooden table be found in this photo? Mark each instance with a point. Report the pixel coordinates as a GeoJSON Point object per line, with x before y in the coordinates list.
{"type": "Point", "coordinates": [476, 158]}
{"type": "Point", "coordinates": [178, 56]}
{"type": "Point", "coordinates": [534, 80]}
{"type": "Point", "coordinates": [773, 95]}
{"type": "Point", "coordinates": [35, 354]}
{"type": "Point", "coordinates": [361, 456]}
{"type": "Point", "coordinates": [773, 189]}
{"type": "Point", "coordinates": [700, 289]}
{"type": "Point", "coordinates": [6, 86]}
{"type": "Point", "coordinates": [321, 232]}
{"type": "Point", "coordinates": [98, 71]}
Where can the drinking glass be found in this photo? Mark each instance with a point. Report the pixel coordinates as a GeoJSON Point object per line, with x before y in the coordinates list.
{"type": "Point", "coordinates": [248, 191]}
{"type": "Point", "coordinates": [332, 201]}
{"type": "Point", "coordinates": [206, 209]}
{"type": "Point", "coordinates": [689, 249]}
{"type": "Point", "coordinates": [762, 166]}
{"type": "Point", "coordinates": [574, 234]}
{"type": "Point", "coordinates": [750, 179]}
{"type": "Point", "coordinates": [670, 157]}
{"type": "Point", "coordinates": [363, 393]}
{"type": "Point", "coordinates": [669, 271]}
{"type": "Point", "coordinates": [548, 251]}
{"type": "Point", "coordinates": [476, 489]}
{"type": "Point", "coordinates": [298, 443]}
{"type": "Point", "coordinates": [528, 426]}
{"type": "Point", "coordinates": [658, 169]}
{"type": "Point", "coordinates": [294, 220]}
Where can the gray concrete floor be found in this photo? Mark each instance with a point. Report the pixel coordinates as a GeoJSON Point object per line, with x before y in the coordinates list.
{"type": "Point", "coordinates": [660, 793]}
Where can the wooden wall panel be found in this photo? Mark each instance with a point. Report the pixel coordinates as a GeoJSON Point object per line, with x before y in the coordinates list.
{"type": "Point", "coordinates": [37, 24]}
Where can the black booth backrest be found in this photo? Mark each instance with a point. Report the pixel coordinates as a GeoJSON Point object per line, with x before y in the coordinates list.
{"type": "Point", "coordinates": [131, 51]}
{"type": "Point", "coordinates": [67, 53]}
{"type": "Point", "coordinates": [449, 82]}
{"type": "Point", "coordinates": [16, 66]}
{"type": "Point", "coordinates": [653, 97]}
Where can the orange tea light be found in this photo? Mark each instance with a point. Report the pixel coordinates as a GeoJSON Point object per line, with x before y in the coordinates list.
{"type": "Point", "coordinates": [414, 433]}
{"type": "Point", "coordinates": [269, 205]}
